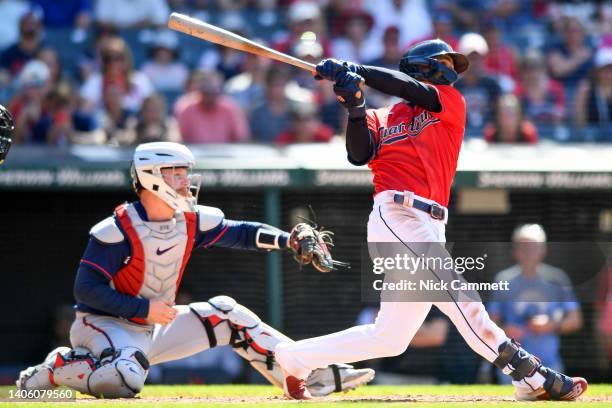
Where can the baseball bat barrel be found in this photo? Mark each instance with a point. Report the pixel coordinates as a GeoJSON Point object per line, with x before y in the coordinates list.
{"type": "Point", "coordinates": [200, 29]}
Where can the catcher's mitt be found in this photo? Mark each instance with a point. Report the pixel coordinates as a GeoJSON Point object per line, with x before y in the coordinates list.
{"type": "Point", "coordinates": [310, 245]}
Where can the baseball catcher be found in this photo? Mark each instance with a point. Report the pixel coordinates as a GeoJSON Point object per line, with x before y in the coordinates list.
{"type": "Point", "coordinates": [128, 277]}
{"type": "Point", "coordinates": [6, 131]}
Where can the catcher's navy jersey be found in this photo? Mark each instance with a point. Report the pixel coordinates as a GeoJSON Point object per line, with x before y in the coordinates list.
{"type": "Point", "coordinates": [102, 261]}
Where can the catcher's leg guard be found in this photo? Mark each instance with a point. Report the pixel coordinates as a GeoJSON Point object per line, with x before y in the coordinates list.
{"type": "Point", "coordinates": [63, 366]}
{"type": "Point", "coordinates": [227, 322]}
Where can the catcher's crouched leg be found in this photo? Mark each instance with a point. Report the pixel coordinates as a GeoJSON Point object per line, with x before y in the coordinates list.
{"type": "Point", "coordinates": [227, 322]}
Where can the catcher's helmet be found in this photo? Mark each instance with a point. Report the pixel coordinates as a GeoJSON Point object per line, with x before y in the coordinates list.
{"type": "Point", "coordinates": [6, 131]}
{"type": "Point", "coordinates": [151, 158]}
{"type": "Point", "coordinates": [420, 64]}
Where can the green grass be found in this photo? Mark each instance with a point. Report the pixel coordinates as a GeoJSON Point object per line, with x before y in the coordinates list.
{"type": "Point", "coordinates": [372, 396]}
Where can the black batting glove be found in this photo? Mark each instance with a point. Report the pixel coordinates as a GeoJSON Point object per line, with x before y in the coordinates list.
{"type": "Point", "coordinates": [349, 92]}
{"type": "Point", "coordinates": [330, 69]}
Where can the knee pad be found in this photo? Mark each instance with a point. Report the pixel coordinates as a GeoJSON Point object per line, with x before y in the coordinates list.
{"type": "Point", "coordinates": [122, 375]}
{"type": "Point", "coordinates": [516, 361]}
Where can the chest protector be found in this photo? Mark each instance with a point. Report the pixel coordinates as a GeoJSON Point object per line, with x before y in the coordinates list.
{"type": "Point", "coordinates": [160, 251]}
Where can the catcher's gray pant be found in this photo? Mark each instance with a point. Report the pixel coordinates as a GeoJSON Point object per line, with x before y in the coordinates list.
{"type": "Point", "coordinates": [181, 338]}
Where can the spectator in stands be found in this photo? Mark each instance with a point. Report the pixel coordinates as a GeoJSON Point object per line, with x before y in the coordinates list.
{"type": "Point", "coordinates": [411, 17]}
{"type": "Point", "coordinates": [11, 12]}
{"type": "Point", "coordinates": [509, 125]}
{"type": "Point", "coordinates": [391, 52]}
{"type": "Point", "coordinates": [226, 60]}
{"type": "Point", "coordinates": [571, 58]}
{"type": "Point", "coordinates": [310, 50]}
{"type": "Point", "coordinates": [501, 59]}
{"type": "Point", "coordinates": [117, 121]}
{"type": "Point", "coordinates": [49, 56]}
{"type": "Point", "coordinates": [593, 103]}
{"type": "Point", "coordinates": [355, 42]}
{"type": "Point", "coordinates": [116, 72]}
{"type": "Point", "coordinates": [466, 13]}
{"type": "Point", "coordinates": [389, 59]}
{"type": "Point", "coordinates": [90, 60]}
{"type": "Point", "coordinates": [54, 124]}
{"type": "Point", "coordinates": [305, 127]}
{"type": "Point", "coordinates": [304, 16]}
{"type": "Point", "coordinates": [479, 89]}
{"type": "Point", "coordinates": [33, 84]}
{"type": "Point", "coordinates": [469, 14]}
{"type": "Point", "coordinates": [153, 125]}
{"type": "Point", "coordinates": [583, 11]}
{"type": "Point", "coordinates": [248, 88]}
{"type": "Point", "coordinates": [122, 14]}
{"type": "Point", "coordinates": [29, 43]}
{"type": "Point", "coordinates": [540, 305]}
{"type": "Point", "coordinates": [603, 25]}
{"type": "Point", "coordinates": [542, 98]}
{"type": "Point", "coordinates": [271, 117]}
{"type": "Point", "coordinates": [66, 13]}
{"type": "Point", "coordinates": [442, 27]}
{"type": "Point", "coordinates": [165, 70]}
{"type": "Point", "coordinates": [208, 116]}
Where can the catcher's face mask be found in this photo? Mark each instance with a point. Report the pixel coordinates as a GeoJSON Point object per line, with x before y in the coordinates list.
{"type": "Point", "coordinates": [182, 180]}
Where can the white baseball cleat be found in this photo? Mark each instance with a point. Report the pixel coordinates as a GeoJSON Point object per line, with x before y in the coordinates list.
{"type": "Point", "coordinates": [341, 377]}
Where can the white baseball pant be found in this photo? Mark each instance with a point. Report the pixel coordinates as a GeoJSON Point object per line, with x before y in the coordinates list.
{"type": "Point", "coordinates": [397, 322]}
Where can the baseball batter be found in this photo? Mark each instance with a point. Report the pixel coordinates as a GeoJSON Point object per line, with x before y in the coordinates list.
{"type": "Point", "coordinates": [129, 275]}
{"type": "Point", "coordinates": [412, 149]}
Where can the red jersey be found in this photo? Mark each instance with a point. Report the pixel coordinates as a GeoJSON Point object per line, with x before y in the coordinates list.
{"type": "Point", "coordinates": [417, 150]}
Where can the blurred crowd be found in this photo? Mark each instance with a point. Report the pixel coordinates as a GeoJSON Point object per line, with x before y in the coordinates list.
{"type": "Point", "coordinates": [110, 73]}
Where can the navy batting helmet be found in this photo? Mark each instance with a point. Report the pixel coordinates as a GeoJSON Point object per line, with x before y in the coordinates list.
{"type": "Point", "coordinates": [419, 62]}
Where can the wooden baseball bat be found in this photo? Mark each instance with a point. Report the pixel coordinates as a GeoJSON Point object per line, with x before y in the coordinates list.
{"type": "Point", "coordinates": [200, 29]}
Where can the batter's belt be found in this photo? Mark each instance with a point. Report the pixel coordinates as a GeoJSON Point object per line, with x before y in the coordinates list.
{"type": "Point", "coordinates": [409, 199]}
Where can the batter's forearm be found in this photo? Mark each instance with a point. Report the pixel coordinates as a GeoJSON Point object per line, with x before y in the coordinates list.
{"type": "Point", "coordinates": [359, 141]}
{"type": "Point", "coordinates": [396, 83]}
{"type": "Point", "coordinates": [93, 290]}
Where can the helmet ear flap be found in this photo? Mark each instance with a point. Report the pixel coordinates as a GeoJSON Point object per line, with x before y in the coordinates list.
{"type": "Point", "coordinates": [135, 181]}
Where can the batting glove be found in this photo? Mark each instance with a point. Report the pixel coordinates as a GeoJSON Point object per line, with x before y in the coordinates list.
{"type": "Point", "coordinates": [349, 92]}
{"type": "Point", "coordinates": [331, 68]}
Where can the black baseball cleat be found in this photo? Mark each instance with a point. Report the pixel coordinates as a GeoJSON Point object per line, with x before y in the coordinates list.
{"type": "Point", "coordinates": [557, 387]}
